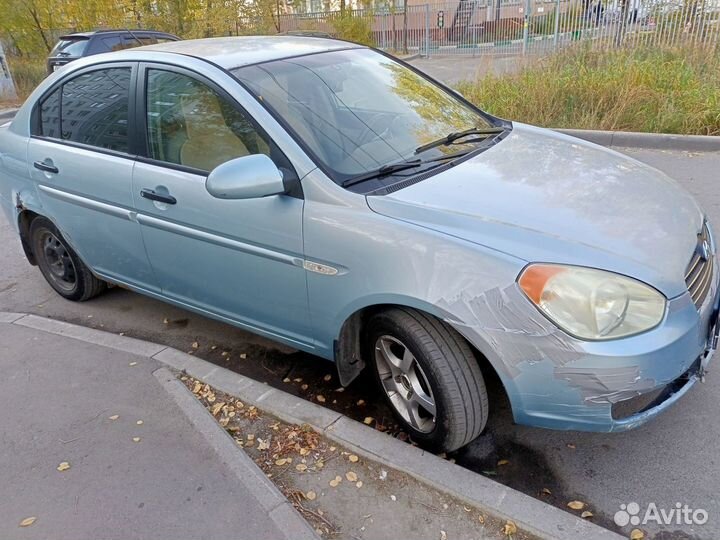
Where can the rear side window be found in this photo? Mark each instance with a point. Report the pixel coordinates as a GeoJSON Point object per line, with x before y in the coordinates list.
{"type": "Point", "coordinates": [90, 109]}
{"type": "Point", "coordinates": [70, 47]}
{"type": "Point", "coordinates": [50, 115]}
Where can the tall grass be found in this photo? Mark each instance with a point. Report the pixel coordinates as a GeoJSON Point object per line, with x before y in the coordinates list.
{"type": "Point", "coordinates": [27, 73]}
{"type": "Point", "coordinates": [653, 90]}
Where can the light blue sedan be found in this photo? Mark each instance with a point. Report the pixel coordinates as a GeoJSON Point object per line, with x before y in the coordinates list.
{"type": "Point", "coordinates": [327, 196]}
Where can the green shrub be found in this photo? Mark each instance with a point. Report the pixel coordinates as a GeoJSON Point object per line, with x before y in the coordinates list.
{"type": "Point", "coordinates": [354, 27]}
{"type": "Point", "coordinates": [647, 89]}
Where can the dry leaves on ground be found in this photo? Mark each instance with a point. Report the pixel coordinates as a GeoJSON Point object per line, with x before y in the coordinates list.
{"type": "Point", "coordinates": [509, 528]}
{"type": "Point", "coordinates": [64, 466]}
{"type": "Point", "coordinates": [28, 521]}
{"type": "Point", "coordinates": [576, 505]}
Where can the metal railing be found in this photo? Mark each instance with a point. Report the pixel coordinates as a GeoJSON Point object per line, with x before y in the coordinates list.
{"type": "Point", "coordinates": [514, 27]}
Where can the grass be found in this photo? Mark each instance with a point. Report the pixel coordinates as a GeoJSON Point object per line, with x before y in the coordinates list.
{"type": "Point", "coordinates": [652, 90]}
{"type": "Point", "coordinates": [27, 74]}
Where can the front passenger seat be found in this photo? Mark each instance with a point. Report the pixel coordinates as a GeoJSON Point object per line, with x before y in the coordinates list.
{"type": "Point", "coordinates": [210, 141]}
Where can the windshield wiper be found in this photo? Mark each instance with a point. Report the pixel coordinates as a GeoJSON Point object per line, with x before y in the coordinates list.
{"type": "Point", "coordinates": [452, 137]}
{"type": "Point", "coordinates": [385, 170]}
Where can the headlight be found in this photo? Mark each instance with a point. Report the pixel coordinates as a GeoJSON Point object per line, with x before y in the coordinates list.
{"type": "Point", "coordinates": [592, 304]}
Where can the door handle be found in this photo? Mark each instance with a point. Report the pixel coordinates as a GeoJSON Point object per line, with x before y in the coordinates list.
{"type": "Point", "coordinates": [46, 166]}
{"type": "Point", "coordinates": [150, 194]}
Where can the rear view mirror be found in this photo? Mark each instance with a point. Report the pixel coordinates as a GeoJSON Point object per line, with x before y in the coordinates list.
{"type": "Point", "coordinates": [247, 177]}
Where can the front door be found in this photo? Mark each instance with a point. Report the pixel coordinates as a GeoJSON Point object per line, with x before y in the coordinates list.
{"type": "Point", "coordinates": [240, 260]}
{"type": "Point", "coordinates": [81, 156]}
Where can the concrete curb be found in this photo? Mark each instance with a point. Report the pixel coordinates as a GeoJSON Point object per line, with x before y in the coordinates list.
{"type": "Point", "coordinates": [279, 509]}
{"type": "Point", "coordinates": [531, 515]}
{"type": "Point", "coordinates": [656, 141]}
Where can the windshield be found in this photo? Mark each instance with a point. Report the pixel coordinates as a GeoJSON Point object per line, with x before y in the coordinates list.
{"type": "Point", "coordinates": [358, 110]}
{"type": "Point", "coordinates": [70, 47]}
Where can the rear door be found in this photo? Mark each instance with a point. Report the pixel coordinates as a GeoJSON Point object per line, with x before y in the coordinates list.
{"type": "Point", "coordinates": [82, 154]}
{"type": "Point", "coordinates": [240, 260]}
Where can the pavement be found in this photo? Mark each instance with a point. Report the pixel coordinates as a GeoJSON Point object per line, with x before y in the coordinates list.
{"type": "Point", "coordinates": [671, 460]}
{"type": "Point", "coordinates": [140, 465]}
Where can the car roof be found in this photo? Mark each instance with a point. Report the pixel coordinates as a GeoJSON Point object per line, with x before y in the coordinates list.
{"type": "Point", "coordinates": [232, 52]}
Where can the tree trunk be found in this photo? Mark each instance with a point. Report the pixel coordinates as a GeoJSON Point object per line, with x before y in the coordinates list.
{"type": "Point", "coordinates": [405, 26]}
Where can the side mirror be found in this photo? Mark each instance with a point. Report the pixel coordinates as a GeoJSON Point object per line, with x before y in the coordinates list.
{"type": "Point", "coordinates": [247, 177]}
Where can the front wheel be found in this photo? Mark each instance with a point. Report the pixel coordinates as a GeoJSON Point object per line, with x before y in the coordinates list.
{"type": "Point", "coordinates": [60, 265]}
{"type": "Point", "coordinates": [430, 377]}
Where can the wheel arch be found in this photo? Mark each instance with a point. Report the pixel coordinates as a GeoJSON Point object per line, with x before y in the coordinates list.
{"type": "Point", "coordinates": [348, 346]}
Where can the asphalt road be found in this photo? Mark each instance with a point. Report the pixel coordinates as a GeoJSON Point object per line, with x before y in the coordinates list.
{"type": "Point", "coordinates": [672, 460]}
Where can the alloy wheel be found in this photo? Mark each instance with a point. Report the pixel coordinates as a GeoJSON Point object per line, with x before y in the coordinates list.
{"type": "Point", "coordinates": [405, 383]}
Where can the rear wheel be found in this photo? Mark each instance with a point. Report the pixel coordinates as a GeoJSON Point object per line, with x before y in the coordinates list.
{"type": "Point", "coordinates": [430, 377]}
{"type": "Point", "coordinates": [60, 265]}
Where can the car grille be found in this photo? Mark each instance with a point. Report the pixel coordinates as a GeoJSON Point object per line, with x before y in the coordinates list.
{"type": "Point", "coordinates": [700, 270]}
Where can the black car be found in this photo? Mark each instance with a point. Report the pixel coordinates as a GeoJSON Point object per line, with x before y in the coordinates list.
{"type": "Point", "coordinates": [74, 46]}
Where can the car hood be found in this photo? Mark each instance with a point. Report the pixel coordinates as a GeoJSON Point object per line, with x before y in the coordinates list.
{"type": "Point", "coordinates": [546, 197]}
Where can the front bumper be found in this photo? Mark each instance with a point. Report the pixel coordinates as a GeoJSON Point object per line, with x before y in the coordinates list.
{"type": "Point", "coordinates": [558, 382]}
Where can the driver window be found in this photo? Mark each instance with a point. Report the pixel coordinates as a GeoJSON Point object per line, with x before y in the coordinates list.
{"type": "Point", "coordinates": [192, 125]}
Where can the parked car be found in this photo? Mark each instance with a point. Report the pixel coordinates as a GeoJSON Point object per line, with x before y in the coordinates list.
{"type": "Point", "coordinates": [81, 44]}
{"type": "Point", "coordinates": [335, 199]}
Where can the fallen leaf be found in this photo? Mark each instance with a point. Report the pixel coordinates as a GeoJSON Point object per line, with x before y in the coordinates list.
{"type": "Point", "coordinates": [503, 462]}
{"type": "Point", "coordinates": [353, 458]}
{"type": "Point", "coordinates": [286, 380]}
{"type": "Point", "coordinates": [359, 484]}
{"type": "Point", "coordinates": [351, 476]}
{"type": "Point", "coordinates": [136, 439]}
{"type": "Point", "coordinates": [132, 364]}
{"type": "Point", "coordinates": [250, 437]}
{"type": "Point", "coordinates": [368, 420]}
{"type": "Point", "coordinates": [320, 398]}
{"type": "Point", "coordinates": [243, 356]}
{"type": "Point", "coordinates": [319, 464]}
{"type": "Point", "coordinates": [299, 379]}
{"type": "Point", "coordinates": [212, 348]}
{"type": "Point", "coordinates": [64, 466]}
{"type": "Point", "coordinates": [360, 402]}
{"type": "Point", "coordinates": [586, 514]}
{"type": "Point", "coordinates": [166, 320]}
{"type": "Point", "coordinates": [304, 387]}
{"type": "Point", "coordinates": [637, 534]}
{"type": "Point", "coordinates": [310, 495]}
{"type": "Point", "coordinates": [481, 519]}
{"type": "Point", "coordinates": [393, 498]}
{"type": "Point", "coordinates": [263, 444]}
{"type": "Point", "coordinates": [27, 521]}
{"type": "Point", "coordinates": [114, 417]}
{"type": "Point", "coordinates": [196, 389]}
{"type": "Point", "coordinates": [139, 422]}
{"type": "Point", "coordinates": [301, 467]}
{"type": "Point", "coordinates": [195, 345]}
{"type": "Point", "coordinates": [327, 377]}
{"type": "Point", "coordinates": [224, 353]}
{"type": "Point", "coordinates": [570, 445]}
{"type": "Point", "coordinates": [510, 528]}
{"type": "Point", "coordinates": [280, 462]}
{"type": "Point", "coordinates": [334, 482]}
{"type": "Point", "coordinates": [216, 408]}
{"type": "Point", "coordinates": [576, 505]}
{"type": "Point", "coordinates": [546, 491]}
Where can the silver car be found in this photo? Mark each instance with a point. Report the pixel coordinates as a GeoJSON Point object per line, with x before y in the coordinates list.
{"type": "Point", "coordinates": [332, 198]}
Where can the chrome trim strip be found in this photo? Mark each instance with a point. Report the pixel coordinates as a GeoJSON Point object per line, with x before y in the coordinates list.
{"type": "Point", "coordinates": [87, 203]}
{"type": "Point", "coordinates": [189, 232]}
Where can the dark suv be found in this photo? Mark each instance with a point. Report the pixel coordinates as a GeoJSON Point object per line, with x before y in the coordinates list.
{"type": "Point", "coordinates": [74, 46]}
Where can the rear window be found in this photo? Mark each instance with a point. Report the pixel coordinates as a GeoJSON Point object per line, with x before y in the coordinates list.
{"type": "Point", "coordinates": [70, 47]}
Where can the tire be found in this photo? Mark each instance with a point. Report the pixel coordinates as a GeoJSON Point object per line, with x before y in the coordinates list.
{"type": "Point", "coordinates": [60, 265]}
{"type": "Point", "coordinates": [442, 368]}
